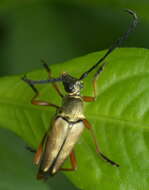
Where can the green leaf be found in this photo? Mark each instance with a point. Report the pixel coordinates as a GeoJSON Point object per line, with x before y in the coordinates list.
{"type": "Point", "coordinates": [120, 118]}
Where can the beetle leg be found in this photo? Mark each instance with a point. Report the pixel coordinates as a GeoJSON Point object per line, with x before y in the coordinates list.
{"type": "Point", "coordinates": [88, 126]}
{"type": "Point", "coordinates": [39, 151]}
{"type": "Point", "coordinates": [30, 149]}
{"type": "Point", "coordinates": [88, 98]}
{"type": "Point", "coordinates": [39, 102]}
{"type": "Point", "coordinates": [97, 74]}
{"type": "Point", "coordinates": [55, 86]}
{"type": "Point", "coordinates": [91, 98]}
{"type": "Point", "coordinates": [73, 162]}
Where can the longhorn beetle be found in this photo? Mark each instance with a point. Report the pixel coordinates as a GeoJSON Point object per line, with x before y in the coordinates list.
{"type": "Point", "coordinates": [69, 121]}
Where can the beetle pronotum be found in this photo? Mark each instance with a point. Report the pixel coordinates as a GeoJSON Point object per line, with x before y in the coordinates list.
{"type": "Point", "coordinates": [69, 121]}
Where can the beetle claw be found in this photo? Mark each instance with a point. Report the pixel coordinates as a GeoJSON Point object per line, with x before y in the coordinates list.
{"type": "Point", "coordinates": [24, 78]}
{"type": "Point", "coordinates": [30, 149]}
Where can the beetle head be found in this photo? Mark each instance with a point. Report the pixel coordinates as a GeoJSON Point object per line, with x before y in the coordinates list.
{"type": "Point", "coordinates": [72, 85]}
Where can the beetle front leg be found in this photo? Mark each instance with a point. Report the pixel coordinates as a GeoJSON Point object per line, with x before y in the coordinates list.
{"type": "Point", "coordinates": [97, 74]}
{"type": "Point", "coordinates": [38, 102]}
{"type": "Point", "coordinates": [88, 126]}
{"type": "Point", "coordinates": [55, 86]}
{"type": "Point", "coordinates": [73, 162]}
{"type": "Point", "coordinates": [91, 98]}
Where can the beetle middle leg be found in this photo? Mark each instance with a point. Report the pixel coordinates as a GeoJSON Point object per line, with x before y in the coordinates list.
{"type": "Point", "coordinates": [97, 74]}
{"type": "Point", "coordinates": [39, 151]}
{"type": "Point", "coordinates": [55, 86]}
{"type": "Point", "coordinates": [73, 162]}
{"type": "Point", "coordinates": [88, 126]}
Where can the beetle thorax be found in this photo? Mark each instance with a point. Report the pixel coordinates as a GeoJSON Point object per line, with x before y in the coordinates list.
{"type": "Point", "coordinates": [72, 108]}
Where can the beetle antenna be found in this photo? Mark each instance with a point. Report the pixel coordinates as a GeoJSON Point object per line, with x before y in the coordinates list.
{"type": "Point", "coordinates": [117, 43]}
{"type": "Point", "coordinates": [24, 78]}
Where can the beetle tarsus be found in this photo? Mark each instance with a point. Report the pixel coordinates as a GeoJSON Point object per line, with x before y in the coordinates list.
{"type": "Point", "coordinates": [24, 78]}
{"type": "Point", "coordinates": [46, 67]}
{"type": "Point", "coordinates": [30, 149]}
{"type": "Point", "coordinates": [108, 160]}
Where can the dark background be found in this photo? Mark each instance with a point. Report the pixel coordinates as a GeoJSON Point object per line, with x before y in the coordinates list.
{"type": "Point", "coordinates": [61, 30]}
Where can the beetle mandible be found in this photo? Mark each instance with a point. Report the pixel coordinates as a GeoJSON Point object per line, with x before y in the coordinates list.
{"type": "Point", "coordinates": [69, 121]}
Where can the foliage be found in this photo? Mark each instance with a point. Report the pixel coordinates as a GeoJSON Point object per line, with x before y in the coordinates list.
{"type": "Point", "coordinates": [119, 117]}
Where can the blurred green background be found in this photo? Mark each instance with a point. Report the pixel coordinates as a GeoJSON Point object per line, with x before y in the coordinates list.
{"type": "Point", "coordinates": [60, 30]}
{"type": "Point", "coordinates": [56, 30]}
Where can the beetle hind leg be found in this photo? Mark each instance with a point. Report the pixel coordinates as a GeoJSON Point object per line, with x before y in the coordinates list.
{"type": "Point", "coordinates": [73, 162]}
{"type": "Point", "coordinates": [88, 126]}
{"type": "Point", "coordinates": [30, 149]}
{"type": "Point", "coordinates": [44, 175]}
{"type": "Point", "coordinates": [108, 160]}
